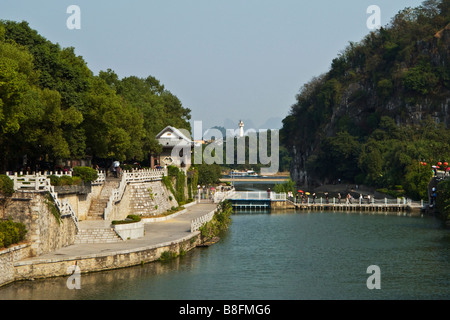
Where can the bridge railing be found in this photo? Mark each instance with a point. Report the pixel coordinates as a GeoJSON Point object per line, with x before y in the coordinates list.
{"type": "Point", "coordinates": [222, 195]}
{"type": "Point", "coordinates": [263, 195]}
{"type": "Point", "coordinates": [257, 195]}
{"type": "Point", "coordinates": [363, 201]}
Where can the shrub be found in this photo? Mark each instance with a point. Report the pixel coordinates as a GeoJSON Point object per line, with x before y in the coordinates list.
{"type": "Point", "coordinates": [11, 233]}
{"type": "Point", "coordinates": [6, 185]}
{"type": "Point", "coordinates": [132, 218]}
{"type": "Point", "coordinates": [172, 171]}
{"type": "Point", "coordinates": [87, 174]}
{"type": "Point", "coordinates": [65, 180]}
{"type": "Point", "coordinates": [220, 221]}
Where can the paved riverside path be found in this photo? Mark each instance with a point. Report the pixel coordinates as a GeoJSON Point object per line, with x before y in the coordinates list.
{"type": "Point", "coordinates": [156, 233]}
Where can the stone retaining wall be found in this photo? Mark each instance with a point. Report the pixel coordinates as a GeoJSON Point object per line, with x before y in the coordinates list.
{"type": "Point", "coordinates": [151, 198]}
{"type": "Point", "coordinates": [79, 201]}
{"type": "Point", "coordinates": [102, 262]}
{"type": "Point", "coordinates": [46, 233]}
{"type": "Point", "coordinates": [7, 259]}
{"type": "Point", "coordinates": [130, 230]}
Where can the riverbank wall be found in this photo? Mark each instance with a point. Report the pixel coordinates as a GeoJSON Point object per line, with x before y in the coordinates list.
{"type": "Point", "coordinates": [49, 268]}
{"type": "Point", "coordinates": [47, 231]}
{"type": "Point", "coordinates": [18, 263]}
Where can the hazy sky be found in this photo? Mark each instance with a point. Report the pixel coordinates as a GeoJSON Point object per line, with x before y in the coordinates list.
{"type": "Point", "coordinates": [223, 59]}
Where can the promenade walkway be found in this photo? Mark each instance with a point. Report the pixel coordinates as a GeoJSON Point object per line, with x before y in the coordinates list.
{"type": "Point", "coordinates": [156, 234]}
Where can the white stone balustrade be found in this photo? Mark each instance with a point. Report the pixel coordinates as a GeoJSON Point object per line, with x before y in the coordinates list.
{"type": "Point", "coordinates": [196, 224]}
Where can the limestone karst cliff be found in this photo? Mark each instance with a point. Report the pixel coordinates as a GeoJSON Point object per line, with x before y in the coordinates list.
{"type": "Point", "coordinates": [381, 109]}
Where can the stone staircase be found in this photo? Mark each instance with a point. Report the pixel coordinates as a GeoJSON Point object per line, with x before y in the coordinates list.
{"type": "Point", "coordinates": [92, 232]}
{"type": "Point", "coordinates": [95, 229]}
{"type": "Point", "coordinates": [98, 205]}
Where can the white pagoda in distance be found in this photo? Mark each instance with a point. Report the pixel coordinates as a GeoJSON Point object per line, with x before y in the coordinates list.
{"type": "Point", "coordinates": [241, 128]}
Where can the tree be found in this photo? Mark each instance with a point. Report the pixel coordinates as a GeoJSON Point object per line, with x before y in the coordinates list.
{"type": "Point", "coordinates": [209, 174]}
{"type": "Point", "coordinates": [53, 107]}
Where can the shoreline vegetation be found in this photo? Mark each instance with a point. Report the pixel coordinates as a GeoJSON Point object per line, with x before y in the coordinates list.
{"type": "Point", "coordinates": [220, 222]}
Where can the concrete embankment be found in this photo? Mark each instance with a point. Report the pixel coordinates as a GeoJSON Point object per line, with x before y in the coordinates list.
{"type": "Point", "coordinates": [173, 235]}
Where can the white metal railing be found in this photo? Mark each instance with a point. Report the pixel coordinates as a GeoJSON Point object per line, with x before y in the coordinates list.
{"type": "Point", "coordinates": [197, 223]}
{"type": "Point", "coordinates": [263, 195]}
{"type": "Point", "coordinates": [219, 196]}
{"type": "Point", "coordinates": [358, 201]}
{"type": "Point", "coordinates": [257, 195]}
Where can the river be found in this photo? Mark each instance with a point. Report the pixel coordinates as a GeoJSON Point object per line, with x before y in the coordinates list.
{"type": "Point", "coordinates": [282, 256]}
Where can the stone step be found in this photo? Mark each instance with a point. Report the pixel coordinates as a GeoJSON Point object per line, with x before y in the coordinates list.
{"type": "Point", "coordinates": [97, 236]}
{"type": "Point", "coordinates": [98, 205]}
{"type": "Point", "coordinates": [95, 216]}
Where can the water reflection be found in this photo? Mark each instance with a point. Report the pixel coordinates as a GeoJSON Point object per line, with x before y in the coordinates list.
{"type": "Point", "coordinates": [317, 255]}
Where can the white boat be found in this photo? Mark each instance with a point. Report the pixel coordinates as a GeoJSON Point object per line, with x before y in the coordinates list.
{"type": "Point", "coordinates": [247, 173]}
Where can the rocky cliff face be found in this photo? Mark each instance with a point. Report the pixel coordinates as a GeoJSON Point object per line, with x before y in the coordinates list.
{"type": "Point", "coordinates": [412, 86]}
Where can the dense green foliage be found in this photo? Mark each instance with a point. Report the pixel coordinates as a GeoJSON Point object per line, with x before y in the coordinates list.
{"type": "Point", "coordinates": [219, 223]}
{"type": "Point", "coordinates": [65, 180]}
{"type": "Point", "coordinates": [379, 111]}
{"type": "Point", "coordinates": [6, 186]}
{"type": "Point", "coordinates": [443, 200]}
{"type": "Point", "coordinates": [11, 233]}
{"type": "Point", "coordinates": [192, 182]}
{"type": "Point", "coordinates": [53, 107]}
{"type": "Point", "coordinates": [87, 174]}
{"type": "Point", "coordinates": [176, 177]}
{"type": "Point", "coordinates": [285, 187]}
{"type": "Point", "coordinates": [209, 174]}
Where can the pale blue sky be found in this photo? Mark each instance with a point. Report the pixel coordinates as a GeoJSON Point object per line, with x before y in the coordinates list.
{"type": "Point", "coordinates": [223, 59]}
